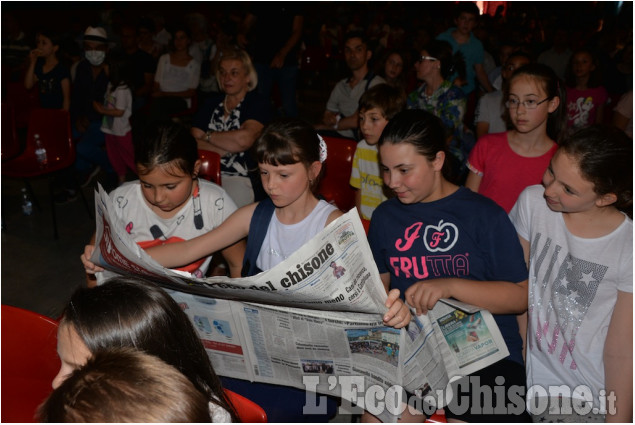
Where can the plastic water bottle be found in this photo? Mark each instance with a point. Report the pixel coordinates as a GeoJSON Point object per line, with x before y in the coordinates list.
{"type": "Point", "coordinates": [40, 151]}
{"type": "Point", "coordinates": [27, 204]}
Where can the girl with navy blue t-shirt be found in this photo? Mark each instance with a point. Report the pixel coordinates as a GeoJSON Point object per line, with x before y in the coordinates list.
{"type": "Point", "coordinates": [437, 240]}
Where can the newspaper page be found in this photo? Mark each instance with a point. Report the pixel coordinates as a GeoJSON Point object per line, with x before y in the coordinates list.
{"type": "Point", "coordinates": [448, 342]}
{"type": "Point", "coordinates": [315, 321]}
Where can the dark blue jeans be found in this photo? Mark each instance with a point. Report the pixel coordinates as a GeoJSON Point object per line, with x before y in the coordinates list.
{"type": "Point", "coordinates": [282, 404]}
{"type": "Point", "coordinates": [91, 150]}
{"type": "Point", "coordinates": [286, 77]}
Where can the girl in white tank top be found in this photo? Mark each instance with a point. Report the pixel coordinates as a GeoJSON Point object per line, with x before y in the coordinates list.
{"type": "Point", "coordinates": [282, 239]}
{"type": "Point", "coordinates": [290, 155]}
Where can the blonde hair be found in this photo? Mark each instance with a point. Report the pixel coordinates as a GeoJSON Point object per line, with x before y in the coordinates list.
{"type": "Point", "coordinates": [241, 55]}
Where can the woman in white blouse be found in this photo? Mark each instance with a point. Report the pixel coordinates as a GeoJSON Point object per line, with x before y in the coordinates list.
{"type": "Point", "coordinates": [176, 79]}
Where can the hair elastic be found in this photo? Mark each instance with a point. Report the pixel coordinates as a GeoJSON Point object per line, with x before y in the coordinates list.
{"type": "Point", "coordinates": [322, 149]}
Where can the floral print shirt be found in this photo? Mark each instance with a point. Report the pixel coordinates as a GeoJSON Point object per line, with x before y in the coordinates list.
{"type": "Point", "coordinates": [449, 103]}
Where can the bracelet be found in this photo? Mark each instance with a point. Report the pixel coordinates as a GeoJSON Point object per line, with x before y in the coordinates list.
{"type": "Point", "coordinates": [338, 117]}
{"type": "Point", "coordinates": [208, 136]}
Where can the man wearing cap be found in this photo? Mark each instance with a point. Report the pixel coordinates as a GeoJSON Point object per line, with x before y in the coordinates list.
{"type": "Point", "coordinates": [90, 83]}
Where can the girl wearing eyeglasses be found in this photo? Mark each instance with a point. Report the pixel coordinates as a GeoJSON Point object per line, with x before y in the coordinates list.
{"type": "Point", "coordinates": [503, 164]}
{"type": "Point", "coordinates": [447, 101]}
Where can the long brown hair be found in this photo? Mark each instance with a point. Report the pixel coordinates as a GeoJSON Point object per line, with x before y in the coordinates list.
{"type": "Point", "coordinates": [131, 312]}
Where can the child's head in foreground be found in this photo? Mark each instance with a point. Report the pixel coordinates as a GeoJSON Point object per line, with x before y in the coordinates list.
{"type": "Point", "coordinates": [595, 162]}
{"type": "Point", "coordinates": [125, 385]}
{"type": "Point", "coordinates": [133, 313]}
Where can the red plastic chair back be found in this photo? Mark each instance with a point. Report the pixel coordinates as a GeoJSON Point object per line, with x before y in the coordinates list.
{"type": "Point", "coordinates": [437, 417]}
{"type": "Point", "coordinates": [334, 186]}
{"type": "Point", "coordinates": [54, 128]}
{"type": "Point", "coordinates": [366, 224]}
{"type": "Point", "coordinates": [210, 166]}
{"type": "Point", "coordinates": [29, 362]}
{"type": "Point", "coordinates": [10, 141]}
{"type": "Point", "coordinates": [23, 101]}
{"type": "Point", "coordinates": [247, 410]}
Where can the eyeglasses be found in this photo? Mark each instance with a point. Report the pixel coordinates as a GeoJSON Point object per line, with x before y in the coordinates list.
{"type": "Point", "coordinates": [528, 104]}
{"type": "Point", "coordinates": [429, 58]}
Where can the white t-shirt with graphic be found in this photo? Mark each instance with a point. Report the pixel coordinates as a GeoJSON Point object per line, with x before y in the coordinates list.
{"type": "Point", "coordinates": [197, 216]}
{"type": "Point", "coordinates": [573, 287]}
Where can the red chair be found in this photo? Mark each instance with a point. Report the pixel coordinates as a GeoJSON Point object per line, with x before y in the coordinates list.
{"type": "Point", "coordinates": [29, 362]}
{"type": "Point", "coordinates": [10, 142]}
{"type": "Point", "coordinates": [437, 417]}
{"type": "Point", "coordinates": [334, 186]}
{"type": "Point", "coordinates": [54, 129]}
{"type": "Point", "coordinates": [366, 224]}
{"type": "Point", "coordinates": [210, 166]}
{"type": "Point", "coordinates": [247, 410]}
{"type": "Point", "coordinates": [23, 101]}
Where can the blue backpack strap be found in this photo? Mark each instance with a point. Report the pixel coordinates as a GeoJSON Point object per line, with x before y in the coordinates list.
{"type": "Point", "coordinates": [257, 232]}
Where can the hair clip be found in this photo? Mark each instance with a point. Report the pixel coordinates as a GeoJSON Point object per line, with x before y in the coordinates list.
{"type": "Point", "coordinates": [322, 149]}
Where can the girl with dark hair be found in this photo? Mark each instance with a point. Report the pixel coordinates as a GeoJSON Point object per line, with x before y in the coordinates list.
{"type": "Point", "coordinates": [393, 69]}
{"type": "Point", "coordinates": [445, 100]}
{"type": "Point", "coordinates": [45, 69]}
{"type": "Point", "coordinates": [586, 96]}
{"type": "Point", "coordinates": [503, 164]}
{"type": "Point", "coordinates": [577, 234]}
{"type": "Point", "coordinates": [435, 240]}
{"type": "Point", "coordinates": [169, 202]}
{"type": "Point", "coordinates": [290, 156]}
{"type": "Point", "coordinates": [127, 312]}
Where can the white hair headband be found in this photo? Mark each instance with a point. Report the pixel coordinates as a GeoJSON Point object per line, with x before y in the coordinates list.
{"type": "Point", "coordinates": [322, 149]}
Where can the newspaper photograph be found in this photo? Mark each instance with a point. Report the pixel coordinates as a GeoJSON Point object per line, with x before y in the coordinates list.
{"type": "Point", "coordinates": [315, 320]}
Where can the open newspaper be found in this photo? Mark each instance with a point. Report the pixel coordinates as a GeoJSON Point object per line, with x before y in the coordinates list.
{"type": "Point", "coordinates": [315, 322]}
